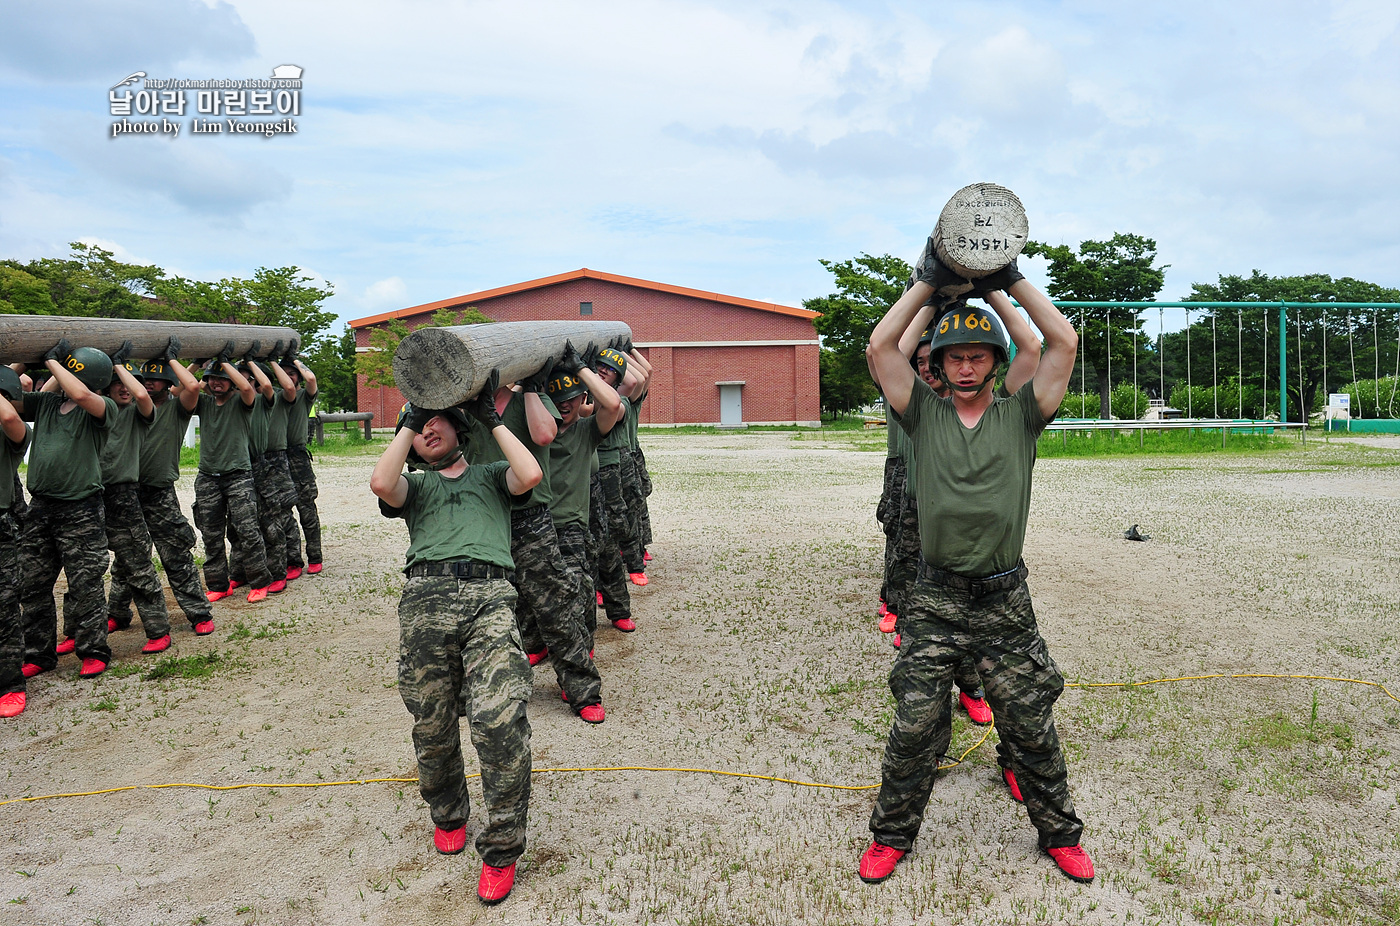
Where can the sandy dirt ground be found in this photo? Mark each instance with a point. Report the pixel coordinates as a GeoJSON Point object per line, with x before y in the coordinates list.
{"type": "Point", "coordinates": [1264, 801]}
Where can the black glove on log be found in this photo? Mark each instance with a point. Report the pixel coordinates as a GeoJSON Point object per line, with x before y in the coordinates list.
{"type": "Point", "coordinates": [1003, 280]}
{"type": "Point", "coordinates": [120, 355]}
{"type": "Point", "coordinates": [59, 351]}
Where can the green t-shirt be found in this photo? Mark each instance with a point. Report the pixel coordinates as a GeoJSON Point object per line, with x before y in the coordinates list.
{"type": "Point", "coordinates": [65, 460]}
{"type": "Point", "coordinates": [632, 419]}
{"type": "Point", "coordinates": [458, 519]}
{"type": "Point", "coordinates": [11, 456]}
{"type": "Point", "coordinates": [299, 419]}
{"type": "Point", "coordinates": [121, 458]}
{"type": "Point", "coordinates": [160, 451]}
{"type": "Point", "coordinates": [570, 468]}
{"type": "Point", "coordinates": [975, 486]}
{"type": "Point", "coordinates": [258, 424]}
{"type": "Point", "coordinates": [224, 434]}
{"type": "Point", "coordinates": [482, 447]}
{"type": "Point", "coordinates": [278, 410]}
{"type": "Point", "coordinates": [616, 439]}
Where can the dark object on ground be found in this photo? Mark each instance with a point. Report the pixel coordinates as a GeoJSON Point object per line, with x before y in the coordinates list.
{"type": "Point", "coordinates": [1133, 533]}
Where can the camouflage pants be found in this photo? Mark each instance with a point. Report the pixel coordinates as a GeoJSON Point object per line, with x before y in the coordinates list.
{"type": "Point", "coordinates": [597, 527]}
{"type": "Point", "coordinates": [20, 507]}
{"type": "Point", "coordinates": [639, 460]}
{"type": "Point", "coordinates": [634, 501]}
{"type": "Point", "coordinates": [612, 573]}
{"type": "Point", "coordinates": [573, 549]}
{"type": "Point", "coordinates": [223, 505]}
{"type": "Point", "coordinates": [998, 631]}
{"type": "Point", "coordinates": [460, 655]}
{"type": "Point", "coordinates": [304, 479]}
{"type": "Point", "coordinates": [174, 542]}
{"type": "Point", "coordinates": [71, 536]}
{"type": "Point", "coordinates": [276, 497]}
{"type": "Point", "coordinates": [548, 603]}
{"type": "Point", "coordinates": [891, 500]}
{"type": "Point", "coordinates": [11, 628]}
{"type": "Point", "coordinates": [133, 574]}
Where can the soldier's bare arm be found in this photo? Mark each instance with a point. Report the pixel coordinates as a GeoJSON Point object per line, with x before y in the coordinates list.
{"type": "Point", "coordinates": [607, 403]}
{"type": "Point", "coordinates": [887, 362]}
{"type": "Point", "coordinates": [387, 481]}
{"type": "Point", "coordinates": [10, 421]}
{"type": "Point", "coordinates": [77, 393]}
{"type": "Point", "coordinates": [1061, 346]}
{"type": "Point", "coordinates": [1027, 359]}
{"type": "Point", "coordinates": [139, 395]}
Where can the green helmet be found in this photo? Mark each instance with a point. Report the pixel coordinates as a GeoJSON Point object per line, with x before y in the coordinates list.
{"type": "Point", "coordinates": [969, 325]}
{"type": "Point", "coordinates": [9, 384]}
{"type": "Point", "coordinates": [92, 367]}
{"type": "Point", "coordinates": [213, 368]}
{"type": "Point", "coordinates": [564, 387]}
{"type": "Point", "coordinates": [159, 369]}
{"type": "Point", "coordinates": [134, 368]}
{"type": "Point", "coordinates": [460, 424]}
{"type": "Point", "coordinates": [614, 359]}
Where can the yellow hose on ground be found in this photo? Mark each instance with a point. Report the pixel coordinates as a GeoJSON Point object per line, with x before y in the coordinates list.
{"type": "Point", "coordinates": [694, 771]}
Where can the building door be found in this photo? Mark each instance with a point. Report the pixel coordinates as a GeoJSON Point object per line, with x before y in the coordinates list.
{"type": "Point", "coordinates": [731, 405]}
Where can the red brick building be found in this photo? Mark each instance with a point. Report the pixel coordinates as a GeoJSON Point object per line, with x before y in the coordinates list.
{"type": "Point", "coordinates": [716, 359]}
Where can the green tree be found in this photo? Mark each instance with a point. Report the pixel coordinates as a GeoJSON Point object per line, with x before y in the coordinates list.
{"type": "Point", "coordinates": [866, 287]}
{"type": "Point", "coordinates": [376, 365]}
{"type": "Point", "coordinates": [1117, 270]}
{"type": "Point", "coordinates": [1241, 344]}
{"type": "Point", "coordinates": [333, 362]}
{"type": "Point", "coordinates": [22, 293]}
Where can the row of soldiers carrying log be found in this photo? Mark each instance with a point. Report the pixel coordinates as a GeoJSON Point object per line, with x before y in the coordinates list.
{"type": "Point", "coordinates": [104, 457]}
{"type": "Point", "coordinates": [526, 512]}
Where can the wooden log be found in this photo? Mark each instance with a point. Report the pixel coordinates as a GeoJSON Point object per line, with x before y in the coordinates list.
{"type": "Point", "coordinates": [981, 229]}
{"type": "Point", "coordinates": [27, 338]}
{"type": "Point", "coordinates": [442, 367]}
{"type": "Point", "coordinates": [324, 418]}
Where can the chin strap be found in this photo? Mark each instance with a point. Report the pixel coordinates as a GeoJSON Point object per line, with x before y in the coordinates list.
{"type": "Point", "coordinates": [943, 375]}
{"type": "Point", "coordinates": [445, 462]}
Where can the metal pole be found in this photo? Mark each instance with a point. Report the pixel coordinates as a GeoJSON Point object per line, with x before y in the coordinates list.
{"type": "Point", "coordinates": [1283, 363]}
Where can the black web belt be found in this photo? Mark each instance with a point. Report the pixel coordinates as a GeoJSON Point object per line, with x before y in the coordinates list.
{"type": "Point", "coordinates": [466, 569]}
{"type": "Point", "coordinates": [1000, 582]}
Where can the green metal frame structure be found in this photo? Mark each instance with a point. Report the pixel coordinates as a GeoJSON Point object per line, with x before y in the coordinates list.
{"type": "Point", "coordinates": [1283, 308]}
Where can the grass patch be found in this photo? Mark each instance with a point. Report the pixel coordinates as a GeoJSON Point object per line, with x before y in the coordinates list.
{"type": "Point", "coordinates": [1117, 443]}
{"type": "Point", "coordinates": [268, 631]}
{"type": "Point", "coordinates": [198, 665]}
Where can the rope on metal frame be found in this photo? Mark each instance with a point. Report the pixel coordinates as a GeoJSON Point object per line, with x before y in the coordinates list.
{"type": "Point", "coordinates": [1324, 349]}
{"type": "Point", "coordinates": [1395, 380]}
{"type": "Point", "coordinates": [1189, 411]}
{"type": "Point", "coordinates": [1214, 366]}
{"type": "Point", "coordinates": [1239, 344]}
{"type": "Point", "coordinates": [1264, 379]}
{"type": "Point", "coordinates": [1302, 398]}
{"type": "Point", "coordinates": [1162, 355]}
{"type": "Point", "coordinates": [1109, 329]}
{"type": "Point", "coordinates": [1376, 347]}
{"type": "Point", "coordinates": [1136, 413]}
{"type": "Point", "coordinates": [1351, 347]}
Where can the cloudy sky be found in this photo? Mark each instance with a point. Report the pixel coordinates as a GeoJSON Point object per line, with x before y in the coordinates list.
{"type": "Point", "coordinates": [449, 147]}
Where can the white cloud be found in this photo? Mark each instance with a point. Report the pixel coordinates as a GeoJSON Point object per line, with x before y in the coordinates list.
{"type": "Point", "coordinates": [385, 294]}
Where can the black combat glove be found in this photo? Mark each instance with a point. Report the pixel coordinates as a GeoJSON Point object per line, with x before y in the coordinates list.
{"type": "Point", "coordinates": [225, 353]}
{"type": "Point", "coordinates": [277, 350]}
{"type": "Point", "coordinates": [253, 350]}
{"type": "Point", "coordinates": [120, 355]}
{"type": "Point", "coordinates": [538, 380]}
{"type": "Point", "coordinates": [483, 407]}
{"type": "Point", "coordinates": [569, 362]}
{"type": "Point", "coordinates": [1003, 280]}
{"type": "Point", "coordinates": [590, 356]}
{"type": "Point", "coordinates": [946, 284]}
{"type": "Point", "coordinates": [627, 346]}
{"type": "Point", "coordinates": [172, 350]}
{"type": "Point", "coordinates": [418, 418]}
{"type": "Point", "coordinates": [60, 350]}
{"type": "Point", "coordinates": [291, 355]}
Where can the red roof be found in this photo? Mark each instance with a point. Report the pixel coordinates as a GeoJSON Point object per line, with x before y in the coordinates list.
{"type": "Point", "coordinates": [582, 274]}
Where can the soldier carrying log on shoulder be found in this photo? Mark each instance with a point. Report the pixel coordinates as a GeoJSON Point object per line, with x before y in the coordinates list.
{"type": "Point", "coordinates": [975, 457]}
{"type": "Point", "coordinates": [13, 689]}
{"type": "Point", "coordinates": [460, 652]}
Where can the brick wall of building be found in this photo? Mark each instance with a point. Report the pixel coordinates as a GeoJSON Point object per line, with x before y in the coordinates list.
{"type": "Point", "coordinates": [780, 379]}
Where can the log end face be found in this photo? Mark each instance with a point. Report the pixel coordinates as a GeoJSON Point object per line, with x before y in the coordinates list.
{"type": "Point", "coordinates": [981, 229]}
{"type": "Point", "coordinates": [433, 368]}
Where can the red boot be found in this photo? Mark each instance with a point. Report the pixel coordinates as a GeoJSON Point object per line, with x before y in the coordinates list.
{"type": "Point", "coordinates": [977, 710]}
{"type": "Point", "coordinates": [12, 704]}
{"type": "Point", "coordinates": [887, 621]}
{"type": "Point", "coordinates": [495, 883]}
{"type": "Point", "coordinates": [66, 646]}
{"type": "Point", "coordinates": [1009, 777]}
{"type": "Point", "coordinates": [878, 862]}
{"type": "Point", "coordinates": [537, 658]}
{"type": "Point", "coordinates": [158, 645]}
{"type": "Point", "coordinates": [638, 578]}
{"type": "Point", "coordinates": [1074, 862]}
{"type": "Point", "coordinates": [450, 842]}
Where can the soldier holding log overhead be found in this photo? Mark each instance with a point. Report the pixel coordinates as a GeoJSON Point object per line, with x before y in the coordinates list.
{"type": "Point", "coordinates": [65, 527]}
{"type": "Point", "coordinates": [620, 553]}
{"type": "Point", "coordinates": [976, 453]}
{"type": "Point", "coordinates": [127, 535]}
{"type": "Point", "coordinates": [275, 496]}
{"type": "Point", "coordinates": [299, 464]}
{"type": "Point", "coordinates": [570, 472]}
{"type": "Point", "coordinates": [13, 444]}
{"type": "Point", "coordinates": [634, 387]}
{"type": "Point", "coordinates": [225, 500]}
{"type": "Point", "coordinates": [160, 506]}
{"type": "Point", "coordinates": [459, 646]}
